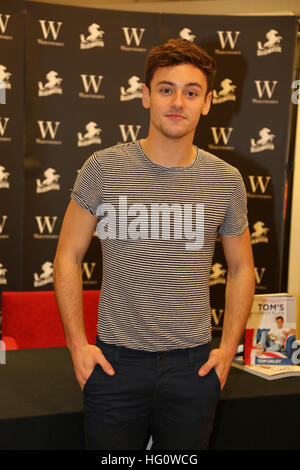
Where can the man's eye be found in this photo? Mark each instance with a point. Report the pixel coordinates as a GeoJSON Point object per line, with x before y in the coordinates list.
{"type": "Point", "coordinates": [191, 93]}
{"type": "Point", "coordinates": [166, 91]}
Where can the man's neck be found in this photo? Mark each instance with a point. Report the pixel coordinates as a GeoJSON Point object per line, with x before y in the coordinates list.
{"type": "Point", "coordinates": [170, 153]}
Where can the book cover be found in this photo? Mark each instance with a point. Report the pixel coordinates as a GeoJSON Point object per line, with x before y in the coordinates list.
{"type": "Point", "coordinates": [270, 334]}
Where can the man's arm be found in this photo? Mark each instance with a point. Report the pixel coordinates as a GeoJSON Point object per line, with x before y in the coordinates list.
{"type": "Point", "coordinates": [239, 294]}
{"type": "Point", "coordinates": [75, 236]}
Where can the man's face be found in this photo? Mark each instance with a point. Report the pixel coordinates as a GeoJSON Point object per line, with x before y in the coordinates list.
{"type": "Point", "coordinates": [279, 322]}
{"type": "Point", "coordinates": [177, 100]}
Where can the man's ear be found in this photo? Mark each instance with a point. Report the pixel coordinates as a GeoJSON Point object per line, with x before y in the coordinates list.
{"type": "Point", "coordinates": [207, 103]}
{"type": "Point", "coordinates": [145, 96]}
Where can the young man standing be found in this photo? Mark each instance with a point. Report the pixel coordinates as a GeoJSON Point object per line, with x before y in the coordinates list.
{"type": "Point", "coordinates": [152, 367]}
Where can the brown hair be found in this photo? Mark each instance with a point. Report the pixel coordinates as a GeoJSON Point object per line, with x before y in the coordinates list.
{"type": "Point", "coordinates": [176, 52]}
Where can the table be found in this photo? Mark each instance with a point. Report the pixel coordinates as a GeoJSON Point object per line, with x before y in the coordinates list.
{"type": "Point", "coordinates": [41, 407]}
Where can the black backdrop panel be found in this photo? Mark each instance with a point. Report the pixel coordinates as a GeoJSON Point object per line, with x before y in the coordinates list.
{"type": "Point", "coordinates": [84, 70]}
{"type": "Point", "coordinates": [245, 126]}
{"type": "Point", "coordinates": [11, 143]}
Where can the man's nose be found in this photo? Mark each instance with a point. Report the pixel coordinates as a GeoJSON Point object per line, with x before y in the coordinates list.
{"type": "Point", "coordinates": [177, 101]}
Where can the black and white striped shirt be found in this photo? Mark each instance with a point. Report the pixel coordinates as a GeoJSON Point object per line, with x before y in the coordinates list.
{"type": "Point", "coordinates": [155, 291]}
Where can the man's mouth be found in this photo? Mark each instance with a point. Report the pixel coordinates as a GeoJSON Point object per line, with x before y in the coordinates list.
{"type": "Point", "coordinates": [176, 117]}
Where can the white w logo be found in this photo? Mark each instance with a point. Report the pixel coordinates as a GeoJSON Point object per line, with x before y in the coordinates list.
{"type": "Point", "coordinates": [3, 24]}
{"type": "Point", "coordinates": [232, 41]}
{"type": "Point", "coordinates": [91, 82]}
{"type": "Point", "coordinates": [51, 27]}
{"type": "Point", "coordinates": [4, 218]}
{"type": "Point", "coordinates": [44, 129]}
{"type": "Point", "coordinates": [258, 182]}
{"type": "Point", "coordinates": [3, 126]}
{"type": "Point", "coordinates": [266, 87]}
{"type": "Point", "coordinates": [129, 132]}
{"type": "Point", "coordinates": [222, 133]}
{"type": "Point", "coordinates": [259, 275]}
{"type": "Point", "coordinates": [88, 271]}
{"type": "Point", "coordinates": [133, 35]}
{"type": "Point", "coordinates": [44, 222]}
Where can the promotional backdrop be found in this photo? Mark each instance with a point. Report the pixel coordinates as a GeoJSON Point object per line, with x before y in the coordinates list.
{"type": "Point", "coordinates": [83, 88]}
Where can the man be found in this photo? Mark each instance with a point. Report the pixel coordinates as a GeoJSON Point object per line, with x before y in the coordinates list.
{"type": "Point", "coordinates": [274, 339]}
{"type": "Point", "coordinates": [152, 367]}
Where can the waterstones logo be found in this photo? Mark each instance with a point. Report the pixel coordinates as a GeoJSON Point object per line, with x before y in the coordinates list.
{"type": "Point", "coordinates": [4, 19]}
{"type": "Point", "coordinates": [259, 274]}
{"type": "Point", "coordinates": [129, 131]}
{"type": "Point", "coordinates": [3, 275]}
{"type": "Point", "coordinates": [217, 316]}
{"type": "Point", "coordinates": [272, 44]}
{"type": "Point", "coordinates": [133, 222]}
{"type": "Point", "coordinates": [92, 135]}
{"type": "Point", "coordinates": [46, 275]}
{"type": "Point", "coordinates": [48, 129]}
{"type": "Point", "coordinates": [133, 38]}
{"type": "Point", "coordinates": [265, 141]}
{"type": "Point", "coordinates": [94, 39]}
{"type": "Point", "coordinates": [217, 275]}
{"type": "Point", "coordinates": [265, 90]}
{"type": "Point", "coordinates": [133, 91]}
{"type": "Point", "coordinates": [221, 136]}
{"type": "Point", "coordinates": [3, 220]}
{"type": "Point", "coordinates": [91, 85]}
{"type": "Point", "coordinates": [45, 226]}
{"type": "Point", "coordinates": [228, 42]}
{"type": "Point", "coordinates": [49, 183]}
{"type": "Point", "coordinates": [50, 31]}
{"type": "Point", "coordinates": [5, 77]}
{"type": "Point", "coordinates": [3, 126]}
{"type": "Point", "coordinates": [4, 183]}
{"type": "Point", "coordinates": [187, 34]}
{"type": "Point", "coordinates": [52, 86]}
{"type": "Point", "coordinates": [87, 270]}
{"type": "Point", "coordinates": [259, 234]}
{"type": "Point", "coordinates": [259, 185]}
{"type": "Point", "coordinates": [226, 93]}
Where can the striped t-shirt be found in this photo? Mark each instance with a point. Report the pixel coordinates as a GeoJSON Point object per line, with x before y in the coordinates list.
{"type": "Point", "coordinates": [158, 227]}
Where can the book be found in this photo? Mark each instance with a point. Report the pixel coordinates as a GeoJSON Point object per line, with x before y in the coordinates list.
{"type": "Point", "coordinates": [270, 333]}
{"type": "Point", "coordinates": [269, 372]}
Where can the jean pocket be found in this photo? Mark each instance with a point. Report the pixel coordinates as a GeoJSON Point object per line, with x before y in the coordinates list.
{"type": "Point", "coordinates": [89, 379]}
{"type": "Point", "coordinates": [217, 379]}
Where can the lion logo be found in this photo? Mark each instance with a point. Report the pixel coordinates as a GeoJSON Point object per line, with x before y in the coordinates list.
{"type": "Point", "coordinates": [91, 135]}
{"type": "Point", "coordinates": [94, 38]}
{"type": "Point", "coordinates": [3, 174]}
{"type": "Point", "coordinates": [260, 232]}
{"type": "Point", "coordinates": [53, 85]}
{"type": "Point", "coordinates": [272, 44]}
{"type": "Point", "coordinates": [265, 142]}
{"type": "Point", "coordinates": [217, 275]}
{"type": "Point", "coordinates": [186, 33]}
{"type": "Point", "coordinates": [50, 181]}
{"type": "Point", "coordinates": [226, 93]}
{"type": "Point", "coordinates": [3, 271]}
{"type": "Point", "coordinates": [4, 76]}
{"type": "Point", "coordinates": [46, 276]}
{"type": "Point", "coordinates": [265, 136]}
{"type": "Point", "coordinates": [133, 91]}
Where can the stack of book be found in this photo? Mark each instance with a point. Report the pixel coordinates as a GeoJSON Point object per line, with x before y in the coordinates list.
{"type": "Point", "coordinates": [270, 348]}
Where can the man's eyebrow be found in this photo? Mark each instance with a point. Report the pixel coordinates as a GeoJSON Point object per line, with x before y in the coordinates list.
{"type": "Point", "coordinates": [165, 82]}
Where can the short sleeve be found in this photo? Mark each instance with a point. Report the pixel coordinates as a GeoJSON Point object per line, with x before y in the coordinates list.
{"type": "Point", "coordinates": [236, 218]}
{"type": "Point", "coordinates": [87, 189]}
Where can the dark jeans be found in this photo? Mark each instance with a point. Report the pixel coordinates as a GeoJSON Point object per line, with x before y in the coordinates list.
{"type": "Point", "coordinates": [157, 393]}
